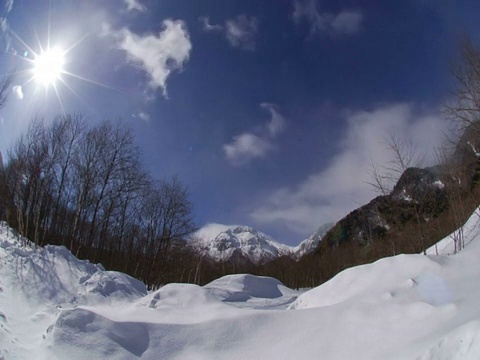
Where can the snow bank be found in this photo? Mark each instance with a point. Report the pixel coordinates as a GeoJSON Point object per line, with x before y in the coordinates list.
{"type": "Point", "coordinates": [403, 277]}
{"type": "Point", "coordinates": [404, 307]}
{"type": "Point", "coordinates": [469, 231]}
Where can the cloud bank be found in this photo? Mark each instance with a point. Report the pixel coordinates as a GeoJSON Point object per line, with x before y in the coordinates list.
{"type": "Point", "coordinates": [330, 194]}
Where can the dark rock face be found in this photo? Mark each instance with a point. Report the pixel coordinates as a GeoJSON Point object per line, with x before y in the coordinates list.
{"type": "Point", "coordinates": [419, 195]}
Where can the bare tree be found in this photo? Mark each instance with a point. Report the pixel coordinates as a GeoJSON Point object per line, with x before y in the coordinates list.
{"type": "Point", "coordinates": [404, 154]}
{"type": "Point", "coordinates": [4, 87]}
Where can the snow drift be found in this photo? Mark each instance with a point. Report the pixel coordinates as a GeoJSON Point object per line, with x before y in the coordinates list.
{"type": "Point", "coordinates": [53, 305]}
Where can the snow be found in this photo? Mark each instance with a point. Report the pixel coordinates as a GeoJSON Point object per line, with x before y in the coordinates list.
{"type": "Point", "coordinates": [468, 231]}
{"type": "Point", "coordinates": [221, 242]}
{"type": "Point", "coordinates": [245, 240]}
{"type": "Point", "coordinates": [55, 306]}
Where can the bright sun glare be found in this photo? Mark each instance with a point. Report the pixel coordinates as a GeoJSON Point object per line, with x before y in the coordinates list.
{"type": "Point", "coordinates": [48, 66]}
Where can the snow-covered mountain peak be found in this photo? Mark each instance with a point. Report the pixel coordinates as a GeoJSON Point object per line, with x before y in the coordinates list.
{"type": "Point", "coordinates": [224, 242]}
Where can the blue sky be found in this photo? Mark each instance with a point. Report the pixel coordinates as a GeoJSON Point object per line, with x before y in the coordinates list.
{"type": "Point", "coordinates": [271, 112]}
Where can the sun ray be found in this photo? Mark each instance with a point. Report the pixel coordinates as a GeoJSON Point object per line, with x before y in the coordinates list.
{"type": "Point", "coordinates": [79, 97]}
{"type": "Point", "coordinates": [59, 98]}
{"type": "Point", "coordinates": [78, 42]}
{"type": "Point", "coordinates": [23, 42]}
{"type": "Point", "coordinates": [39, 42]}
{"type": "Point", "coordinates": [94, 82]}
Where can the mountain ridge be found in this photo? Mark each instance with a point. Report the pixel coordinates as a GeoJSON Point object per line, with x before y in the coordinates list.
{"type": "Point", "coordinates": [222, 243]}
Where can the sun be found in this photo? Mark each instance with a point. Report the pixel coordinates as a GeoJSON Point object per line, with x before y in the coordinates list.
{"type": "Point", "coordinates": [48, 66]}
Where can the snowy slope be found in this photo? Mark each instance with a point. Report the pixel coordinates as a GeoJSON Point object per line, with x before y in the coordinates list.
{"type": "Point", "coordinates": [53, 306]}
{"type": "Point", "coordinates": [223, 242]}
{"type": "Point", "coordinates": [310, 244]}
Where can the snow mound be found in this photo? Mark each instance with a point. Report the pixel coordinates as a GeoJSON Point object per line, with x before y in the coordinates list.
{"type": "Point", "coordinates": [113, 285]}
{"type": "Point", "coordinates": [179, 296]}
{"type": "Point", "coordinates": [403, 307]}
{"type": "Point", "coordinates": [402, 277]}
{"type": "Point", "coordinates": [245, 286]}
{"type": "Point", "coordinates": [462, 343]}
{"type": "Point", "coordinates": [53, 275]}
{"type": "Point", "coordinates": [79, 329]}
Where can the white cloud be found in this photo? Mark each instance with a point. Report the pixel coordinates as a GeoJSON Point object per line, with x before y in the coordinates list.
{"type": "Point", "coordinates": [4, 27]}
{"type": "Point", "coordinates": [158, 55]}
{"type": "Point", "coordinates": [256, 145]}
{"type": "Point", "coordinates": [135, 5]}
{"type": "Point", "coordinates": [209, 27]}
{"type": "Point", "coordinates": [241, 32]}
{"type": "Point", "coordinates": [211, 230]}
{"type": "Point", "coordinates": [8, 6]}
{"type": "Point", "coordinates": [277, 122]}
{"type": "Point", "coordinates": [18, 91]}
{"type": "Point", "coordinates": [346, 22]}
{"type": "Point", "coordinates": [342, 186]}
{"type": "Point", "coordinates": [246, 147]}
{"type": "Point", "coordinates": [144, 116]}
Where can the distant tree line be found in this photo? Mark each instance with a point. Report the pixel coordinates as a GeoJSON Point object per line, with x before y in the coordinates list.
{"type": "Point", "coordinates": [85, 187]}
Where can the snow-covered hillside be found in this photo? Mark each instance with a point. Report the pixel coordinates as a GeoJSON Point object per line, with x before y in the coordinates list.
{"type": "Point", "coordinates": [53, 306]}
{"type": "Point", "coordinates": [310, 244]}
{"type": "Point", "coordinates": [223, 243]}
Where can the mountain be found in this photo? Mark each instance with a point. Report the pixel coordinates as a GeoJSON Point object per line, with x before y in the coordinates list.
{"type": "Point", "coordinates": [309, 245]}
{"type": "Point", "coordinates": [243, 243]}
{"type": "Point", "coordinates": [225, 243]}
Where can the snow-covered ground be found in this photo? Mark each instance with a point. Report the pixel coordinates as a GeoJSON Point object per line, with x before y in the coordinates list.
{"type": "Point", "coordinates": [404, 307]}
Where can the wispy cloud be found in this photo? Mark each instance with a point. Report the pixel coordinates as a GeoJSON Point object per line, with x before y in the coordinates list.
{"type": "Point", "coordinates": [135, 5]}
{"type": "Point", "coordinates": [18, 91]}
{"type": "Point", "coordinates": [158, 55]}
{"type": "Point", "coordinates": [241, 32]}
{"type": "Point", "coordinates": [207, 26]}
{"type": "Point", "coordinates": [258, 143]}
{"type": "Point", "coordinates": [144, 116]}
{"type": "Point", "coordinates": [4, 27]}
{"type": "Point", "coordinates": [331, 193]}
{"type": "Point", "coordinates": [8, 6]}
{"type": "Point", "coordinates": [346, 22]}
